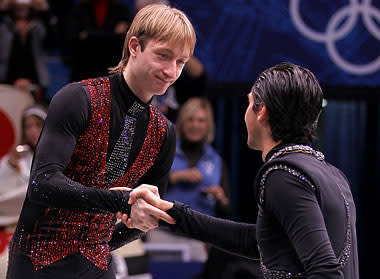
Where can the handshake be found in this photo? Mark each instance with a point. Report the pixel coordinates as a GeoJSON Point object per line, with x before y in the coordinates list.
{"type": "Point", "coordinates": [147, 208]}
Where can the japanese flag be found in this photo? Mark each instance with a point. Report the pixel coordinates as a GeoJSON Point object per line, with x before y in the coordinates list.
{"type": "Point", "coordinates": [12, 104]}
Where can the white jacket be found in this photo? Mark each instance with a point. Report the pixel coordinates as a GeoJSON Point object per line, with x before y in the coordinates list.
{"type": "Point", "coordinates": [13, 187]}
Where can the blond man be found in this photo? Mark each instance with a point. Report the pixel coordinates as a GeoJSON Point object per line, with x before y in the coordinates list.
{"type": "Point", "coordinates": [102, 135]}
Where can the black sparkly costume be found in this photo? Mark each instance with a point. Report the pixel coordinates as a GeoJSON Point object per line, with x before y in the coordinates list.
{"type": "Point", "coordinates": [305, 225]}
{"type": "Point", "coordinates": [97, 135]}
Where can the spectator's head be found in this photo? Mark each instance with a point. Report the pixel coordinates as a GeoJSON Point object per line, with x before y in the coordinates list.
{"type": "Point", "coordinates": [32, 122]}
{"type": "Point", "coordinates": [161, 23]}
{"type": "Point", "coordinates": [293, 98]}
{"type": "Point", "coordinates": [195, 122]}
{"type": "Point", "coordinates": [22, 9]}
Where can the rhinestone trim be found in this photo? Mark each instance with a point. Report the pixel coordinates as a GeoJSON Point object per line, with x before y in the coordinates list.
{"type": "Point", "coordinates": [298, 148]}
{"type": "Point", "coordinates": [346, 251]}
{"type": "Point", "coordinates": [118, 161]}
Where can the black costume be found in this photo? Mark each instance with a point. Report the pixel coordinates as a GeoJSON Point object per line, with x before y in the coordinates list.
{"type": "Point", "coordinates": [305, 225]}
{"type": "Point", "coordinates": [100, 135]}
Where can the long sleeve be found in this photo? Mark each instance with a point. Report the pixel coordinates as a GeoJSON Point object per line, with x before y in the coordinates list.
{"type": "Point", "coordinates": [294, 205]}
{"type": "Point", "coordinates": [68, 117]}
{"type": "Point", "coordinates": [238, 238]}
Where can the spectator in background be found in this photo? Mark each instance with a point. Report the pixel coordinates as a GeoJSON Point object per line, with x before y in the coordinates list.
{"type": "Point", "coordinates": [60, 9]}
{"type": "Point", "coordinates": [14, 176]}
{"type": "Point", "coordinates": [96, 33]}
{"type": "Point", "coordinates": [198, 175]}
{"type": "Point", "coordinates": [26, 33]}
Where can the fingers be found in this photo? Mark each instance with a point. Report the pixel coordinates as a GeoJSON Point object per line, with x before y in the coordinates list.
{"type": "Point", "coordinates": [160, 214]}
{"type": "Point", "coordinates": [143, 193]}
{"type": "Point", "coordinates": [142, 220]}
{"type": "Point", "coordinates": [194, 175]}
{"type": "Point", "coordinates": [145, 217]}
{"type": "Point", "coordinates": [152, 188]}
{"type": "Point", "coordinates": [122, 216]}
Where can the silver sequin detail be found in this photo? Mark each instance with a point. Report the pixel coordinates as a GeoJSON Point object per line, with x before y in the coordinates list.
{"type": "Point", "coordinates": [284, 168]}
{"type": "Point", "coordinates": [118, 161]}
{"type": "Point", "coordinates": [346, 251]}
{"type": "Point", "coordinates": [135, 109]}
{"type": "Point", "coordinates": [279, 274]}
{"type": "Point", "coordinates": [298, 148]}
{"type": "Point", "coordinates": [345, 254]}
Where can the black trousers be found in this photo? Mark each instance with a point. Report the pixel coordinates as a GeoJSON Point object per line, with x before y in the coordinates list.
{"type": "Point", "coordinates": [71, 267]}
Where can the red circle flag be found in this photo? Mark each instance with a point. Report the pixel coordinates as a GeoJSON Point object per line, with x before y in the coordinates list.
{"type": "Point", "coordinates": [12, 104]}
{"type": "Point", "coordinates": [9, 138]}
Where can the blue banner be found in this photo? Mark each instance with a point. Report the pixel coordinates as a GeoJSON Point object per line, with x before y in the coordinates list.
{"type": "Point", "coordinates": [339, 40]}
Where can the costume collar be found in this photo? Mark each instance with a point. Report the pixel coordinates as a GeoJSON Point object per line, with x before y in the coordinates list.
{"type": "Point", "coordinates": [282, 149]}
{"type": "Point", "coordinates": [133, 105]}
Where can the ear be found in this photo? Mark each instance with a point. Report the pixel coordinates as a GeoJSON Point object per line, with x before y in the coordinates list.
{"type": "Point", "coordinates": [133, 46]}
{"type": "Point", "coordinates": [262, 114]}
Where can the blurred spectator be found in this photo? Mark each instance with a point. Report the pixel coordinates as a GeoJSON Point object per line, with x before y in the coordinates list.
{"type": "Point", "coordinates": [96, 34]}
{"type": "Point", "coordinates": [198, 175]}
{"type": "Point", "coordinates": [60, 9]}
{"type": "Point", "coordinates": [26, 33]}
{"type": "Point", "coordinates": [14, 177]}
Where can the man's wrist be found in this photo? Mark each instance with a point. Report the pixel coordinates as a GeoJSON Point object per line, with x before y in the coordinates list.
{"type": "Point", "coordinates": [126, 208]}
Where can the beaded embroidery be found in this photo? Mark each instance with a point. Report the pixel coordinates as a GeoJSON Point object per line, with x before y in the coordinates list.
{"type": "Point", "coordinates": [345, 253]}
{"type": "Point", "coordinates": [89, 232]}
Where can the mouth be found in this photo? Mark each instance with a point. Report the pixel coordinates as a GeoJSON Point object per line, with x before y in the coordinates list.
{"type": "Point", "coordinates": [163, 80]}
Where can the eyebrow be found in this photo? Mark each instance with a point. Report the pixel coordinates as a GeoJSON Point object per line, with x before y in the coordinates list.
{"type": "Point", "coordinates": [171, 52]}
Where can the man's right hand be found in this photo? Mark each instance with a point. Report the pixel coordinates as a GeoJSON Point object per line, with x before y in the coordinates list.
{"type": "Point", "coordinates": [145, 214]}
{"type": "Point", "coordinates": [147, 208]}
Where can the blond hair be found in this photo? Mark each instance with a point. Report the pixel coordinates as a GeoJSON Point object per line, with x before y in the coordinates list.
{"type": "Point", "coordinates": [159, 22]}
{"type": "Point", "coordinates": [189, 108]}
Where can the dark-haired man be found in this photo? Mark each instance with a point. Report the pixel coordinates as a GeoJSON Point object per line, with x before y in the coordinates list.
{"type": "Point", "coordinates": [306, 222]}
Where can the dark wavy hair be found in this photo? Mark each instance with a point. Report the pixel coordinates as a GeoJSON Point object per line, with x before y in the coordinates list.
{"type": "Point", "coordinates": [293, 98]}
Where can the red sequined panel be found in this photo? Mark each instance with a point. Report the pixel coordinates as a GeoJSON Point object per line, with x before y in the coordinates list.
{"type": "Point", "coordinates": [154, 139]}
{"type": "Point", "coordinates": [89, 232]}
{"type": "Point", "coordinates": [85, 232]}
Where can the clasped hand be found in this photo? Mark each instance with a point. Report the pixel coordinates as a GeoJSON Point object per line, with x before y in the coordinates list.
{"type": "Point", "coordinates": [147, 208]}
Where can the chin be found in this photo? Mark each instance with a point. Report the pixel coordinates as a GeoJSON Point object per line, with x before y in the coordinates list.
{"type": "Point", "coordinates": [160, 92]}
{"type": "Point", "coordinates": [252, 145]}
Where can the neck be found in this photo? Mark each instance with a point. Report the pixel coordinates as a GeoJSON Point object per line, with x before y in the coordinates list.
{"type": "Point", "coordinates": [130, 79]}
{"type": "Point", "coordinates": [268, 146]}
{"type": "Point", "coordinates": [191, 145]}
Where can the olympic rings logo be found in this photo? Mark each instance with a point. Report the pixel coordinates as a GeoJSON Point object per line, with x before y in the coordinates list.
{"type": "Point", "coordinates": [333, 34]}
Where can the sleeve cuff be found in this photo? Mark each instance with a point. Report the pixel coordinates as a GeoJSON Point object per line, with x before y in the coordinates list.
{"type": "Point", "coordinates": [125, 207]}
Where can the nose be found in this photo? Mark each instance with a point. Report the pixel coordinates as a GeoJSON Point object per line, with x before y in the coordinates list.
{"type": "Point", "coordinates": [171, 70]}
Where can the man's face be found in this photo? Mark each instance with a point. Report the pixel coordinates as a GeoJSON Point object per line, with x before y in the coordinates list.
{"type": "Point", "coordinates": [253, 128]}
{"type": "Point", "coordinates": [158, 66]}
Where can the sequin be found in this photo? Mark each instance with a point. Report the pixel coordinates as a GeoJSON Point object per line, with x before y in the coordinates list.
{"type": "Point", "coordinates": [66, 232]}
{"type": "Point", "coordinates": [345, 253]}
